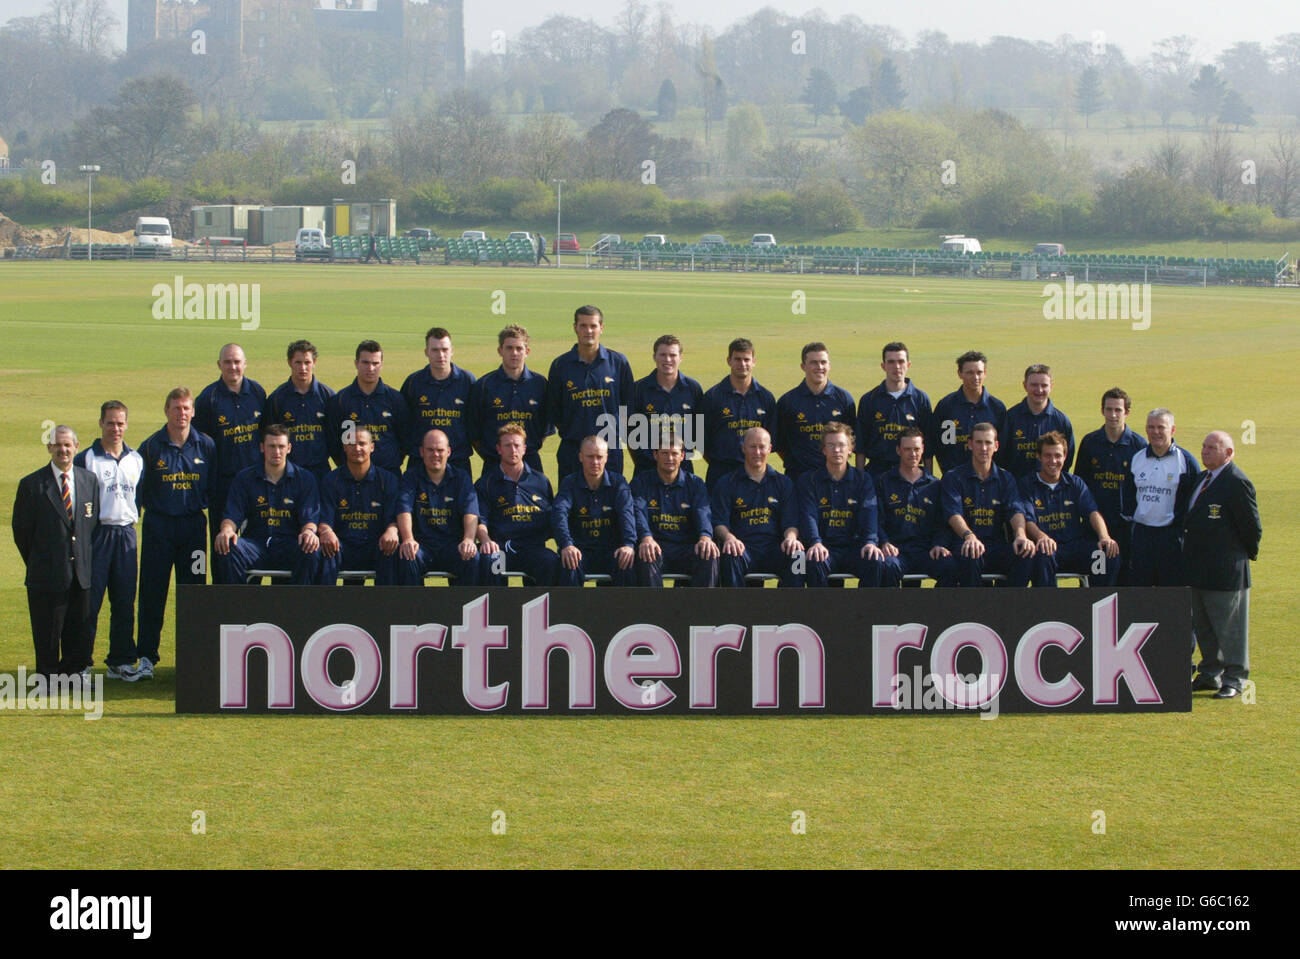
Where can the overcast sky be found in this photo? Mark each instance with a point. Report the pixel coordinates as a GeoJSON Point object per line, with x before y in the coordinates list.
{"type": "Point", "coordinates": [1133, 25]}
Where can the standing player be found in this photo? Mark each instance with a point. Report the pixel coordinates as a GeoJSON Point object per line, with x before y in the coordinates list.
{"type": "Point", "coordinates": [512, 393]}
{"type": "Point", "coordinates": [756, 518]}
{"type": "Point", "coordinates": [674, 527]}
{"type": "Point", "coordinates": [118, 470]}
{"type": "Point", "coordinates": [369, 402]}
{"type": "Point", "coordinates": [669, 401]}
{"type": "Point", "coordinates": [732, 408]}
{"type": "Point", "coordinates": [959, 411]}
{"type": "Point", "coordinates": [358, 516]}
{"type": "Point", "coordinates": [837, 514]}
{"type": "Point", "coordinates": [887, 410]}
{"type": "Point", "coordinates": [980, 500]}
{"type": "Point", "coordinates": [178, 474]}
{"type": "Point", "coordinates": [270, 517]}
{"type": "Point", "coordinates": [1155, 556]}
{"type": "Point", "coordinates": [437, 517]}
{"type": "Point", "coordinates": [593, 520]}
{"type": "Point", "coordinates": [588, 390]}
{"type": "Point", "coordinates": [805, 410]}
{"type": "Point", "coordinates": [1029, 419]}
{"type": "Point", "coordinates": [437, 396]}
{"type": "Point", "coordinates": [299, 404]}
{"type": "Point", "coordinates": [1061, 514]}
{"type": "Point", "coordinates": [1105, 462]}
{"type": "Point", "coordinates": [913, 530]}
{"type": "Point", "coordinates": [230, 411]}
{"type": "Point", "coordinates": [515, 504]}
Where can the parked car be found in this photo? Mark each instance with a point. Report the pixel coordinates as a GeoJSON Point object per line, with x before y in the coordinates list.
{"type": "Point", "coordinates": [762, 239]}
{"type": "Point", "coordinates": [1049, 249]}
{"type": "Point", "coordinates": [473, 235]}
{"type": "Point", "coordinates": [606, 242]}
{"type": "Point", "coordinates": [524, 235]}
{"type": "Point", "coordinates": [566, 243]}
{"type": "Point", "coordinates": [657, 239]}
{"type": "Point", "coordinates": [421, 233]}
{"type": "Point", "coordinates": [960, 244]}
{"type": "Point", "coordinates": [712, 239]}
{"type": "Point", "coordinates": [311, 244]}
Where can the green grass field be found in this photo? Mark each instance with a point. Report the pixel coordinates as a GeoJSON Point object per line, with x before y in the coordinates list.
{"type": "Point", "coordinates": [1211, 788]}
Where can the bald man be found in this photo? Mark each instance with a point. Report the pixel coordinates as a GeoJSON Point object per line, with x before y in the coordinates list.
{"type": "Point", "coordinates": [1221, 533]}
{"type": "Point", "coordinates": [230, 411]}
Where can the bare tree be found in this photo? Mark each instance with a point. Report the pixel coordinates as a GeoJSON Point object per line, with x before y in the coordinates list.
{"type": "Point", "coordinates": [1216, 164]}
{"type": "Point", "coordinates": [544, 147]}
{"type": "Point", "coordinates": [1286, 171]}
{"type": "Point", "coordinates": [1170, 158]}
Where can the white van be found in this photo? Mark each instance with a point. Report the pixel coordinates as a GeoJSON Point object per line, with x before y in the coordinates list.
{"type": "Point", "coordinates": [960, 244]}
{"type": "Point", "coordinates": [153, 232]}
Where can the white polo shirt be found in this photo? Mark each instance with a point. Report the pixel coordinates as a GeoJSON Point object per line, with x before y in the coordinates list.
{"type": "Point", "coordinates": [1156, 479]}
{"type": "Point", "coordinates": [118, 480]}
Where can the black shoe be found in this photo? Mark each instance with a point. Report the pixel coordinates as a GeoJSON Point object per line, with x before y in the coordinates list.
{"type": "Point", "coordinates": [1227, 692]}
{"type": "Point", "coordinates": [1203, 683]}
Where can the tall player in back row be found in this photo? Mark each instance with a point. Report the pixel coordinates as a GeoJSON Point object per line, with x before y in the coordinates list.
{"type": "Point", "coordinates": [959, 411]}
{"type": "Point", "coordinates": [588, 389]}
{"type": "Point", "coordinates": [884, 412]}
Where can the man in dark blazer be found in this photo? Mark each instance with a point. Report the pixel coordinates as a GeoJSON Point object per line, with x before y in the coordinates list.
{"type": "Point", "coordinates": [55, 513]}
{"type": "Point", "coordinates": [1221, 532]}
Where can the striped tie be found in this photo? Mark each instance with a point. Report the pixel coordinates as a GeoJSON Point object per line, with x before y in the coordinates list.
{"type": "Point", "coordinates": [67, 494]}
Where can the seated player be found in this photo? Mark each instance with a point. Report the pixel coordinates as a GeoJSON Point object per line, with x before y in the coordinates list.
{"type": "Point", "coordinates": [437, 517]}
{"type": "Point", "coordinates": [358, 516]}
{"type": "Point", "coordinates": [515, 506]}
{"type": "Point", "coordinates": [673, 524]}
{"type": "Point", "coordinates": [912, 530]}
{"type": "Point", "coordinates": [1061, 512]}
{"type": "Point", "coordinates": [837, 514]}
{"type": "Point", "coordinates": [593, 520]}
{"type": "Point", "coordinates": [756, 519]}
{"type": "Point", "coordinates": [270, 519]}
{"type": "Point", "coordinates": [980, 499]}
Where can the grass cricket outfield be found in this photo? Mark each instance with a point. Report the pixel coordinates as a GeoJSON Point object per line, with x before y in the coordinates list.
{"type": "Point", "coordinates": [1213, 788]}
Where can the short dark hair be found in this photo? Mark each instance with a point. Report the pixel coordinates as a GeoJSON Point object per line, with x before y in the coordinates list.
{"type": "Point", "coordinates": [1115, 393]}
{"type": "Point", "coordinates": [436, 333]}
{"type": "Point", "coordinates": [1037, 369]}
{"type": "Point", "coordinates": [1052, 438]}
{"type": "Point", "coordinates": [276, 429]}
{"type": "Point", "coordinates": [894, 348]}
{"type": "Point", "coordinates": [813, 347]}
{"type": "Point", "coordinates": [912, 431]}
{"type": "Point", "coordinates": [984, 428]}
{"type": "Point", "coordinates": [301, 346]}
{"type": "Point", "coordinates": [111, 405]}
{"type": "Point", "coordinates": [513, 330]}
{"type": "Point", "coordinates": [971, 356]}
{"type": "Point", "coordinates": [368, 346]}
{"type": "Point", "coordinates": [739, 345]}
{"type": "Point", "coordinates": [667, 340]}
{"type": "Point", "coordinates": [588, 310]}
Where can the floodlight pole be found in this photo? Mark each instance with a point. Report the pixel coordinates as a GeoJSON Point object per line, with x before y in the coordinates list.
{"type": "Point", "coordinates": [559, 206]}
{"type": "Point", "coordinates": [90, 170]}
